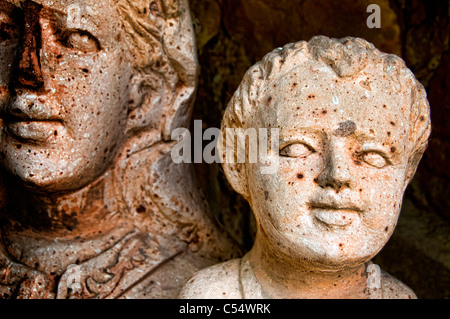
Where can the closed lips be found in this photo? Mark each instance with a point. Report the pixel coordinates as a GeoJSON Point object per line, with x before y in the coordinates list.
{"type": "Point", "coordinates": [34, 130]}
{"type": "Point", "coordinates": [335, 215]}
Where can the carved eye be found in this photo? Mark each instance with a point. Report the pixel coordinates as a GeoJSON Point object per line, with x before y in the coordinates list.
{"type": "Point", "coordinates": [297, 150]}
{"type": "Point", "coordinates": [81, 40]}
{"type": "Point", "coordinates": [374, 159]}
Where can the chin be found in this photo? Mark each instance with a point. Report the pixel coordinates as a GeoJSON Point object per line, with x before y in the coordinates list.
{"type": "Point", "coordinates": [336, 263]}
{"type": "Point", "coordinates": [48, 184]}
{"type": "Point", "coordinates": [329, 257]}
{"type": "Point", "coordinates": [54, 181]}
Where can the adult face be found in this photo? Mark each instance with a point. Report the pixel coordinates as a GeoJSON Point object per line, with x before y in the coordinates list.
{"type": "Point", "coordinates": [335, 199]}
{"type": "Point", "coordinates": [64, 91]}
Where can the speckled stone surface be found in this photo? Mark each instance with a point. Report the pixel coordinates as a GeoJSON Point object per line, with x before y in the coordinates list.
{"type": "Point", "coordinates": [353, 123]}
{"type": "Point", "coordinates": [92, 206]}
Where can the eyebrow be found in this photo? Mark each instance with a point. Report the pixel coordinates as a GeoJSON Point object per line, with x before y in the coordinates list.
{"type": "Point", "coordinates": [294, 131]}
{"type": "Point", "coordinates": [47, 12]}
{"type": "Point", "coordinates": [361, 137]}
{"type": "Point", "coordinates": [60, 17]}
{"type": "Point", "coordinates": [293, 134]}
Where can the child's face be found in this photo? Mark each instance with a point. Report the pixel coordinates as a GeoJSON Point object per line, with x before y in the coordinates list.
{"type": "Point", "coordinates": [337, 193]}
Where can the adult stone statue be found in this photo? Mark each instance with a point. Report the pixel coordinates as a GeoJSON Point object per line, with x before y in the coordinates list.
{"type": "Point", "coordinates": [92, 205]}
{"type": "Point", "coordinates": [353, 123]}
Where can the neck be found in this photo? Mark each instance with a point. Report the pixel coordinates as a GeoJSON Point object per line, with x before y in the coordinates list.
{"type": "Point", "coordinates": [83, 213]}
{"type": "Point", "coordinates": [97, 208]}
{"type": "Point", "coordinates": [287, 277]}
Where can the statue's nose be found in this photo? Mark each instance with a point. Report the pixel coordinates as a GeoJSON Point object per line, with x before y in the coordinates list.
{"type": "Point", "coordinates": [336, 173]}
{"type": "Point", "coordinates": [29, 73]}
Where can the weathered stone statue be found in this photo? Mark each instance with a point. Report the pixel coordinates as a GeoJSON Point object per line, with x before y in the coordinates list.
{"type": "Point", "coordinates": [353, 123]}
{"type": "Point", "coordinates": [92, 205]}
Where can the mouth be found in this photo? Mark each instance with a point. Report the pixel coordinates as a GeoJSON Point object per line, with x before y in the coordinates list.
{"type": "Point", "coordinates": [32, 130]}
{"type": "Point", "coordinates": [335, 216]}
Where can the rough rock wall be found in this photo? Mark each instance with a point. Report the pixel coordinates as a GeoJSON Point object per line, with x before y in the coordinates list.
{"type": "Point", "coordinates": [234, 34]}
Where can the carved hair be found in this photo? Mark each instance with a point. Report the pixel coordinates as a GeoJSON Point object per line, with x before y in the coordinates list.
{"type": "Point", "coordinates": [161, 44]}
{"type": "Point", "coordinates": [347, 57]}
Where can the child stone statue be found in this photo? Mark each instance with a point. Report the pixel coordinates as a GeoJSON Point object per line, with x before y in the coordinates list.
{"type": "Point", "coordinates": [353, 123]}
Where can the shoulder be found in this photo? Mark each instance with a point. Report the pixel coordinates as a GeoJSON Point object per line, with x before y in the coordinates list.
{"type": "Point", "coordinates": [394, 288]}
{"type": "Point", "coordinates": [220, 281]}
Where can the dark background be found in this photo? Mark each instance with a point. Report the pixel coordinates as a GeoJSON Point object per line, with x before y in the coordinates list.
{"type": "Point", "coordinates": [232, 35]}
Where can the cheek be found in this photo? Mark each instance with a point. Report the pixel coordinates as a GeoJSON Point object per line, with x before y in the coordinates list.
{"type": "Point", "coordinates": [286, 189]}
{"type": "Point", "coordinates": [383, 194]}
{"type": "Point", "coordinates": [91, 77]}
{"type": "Point", "coordinates": [299, 175]}
{"type": "Point", "coordinates": [265, 190]}
{"type": "Point", "coordinates": [276, 198]}
{"type": "Point", "coordinates": [98, 104]}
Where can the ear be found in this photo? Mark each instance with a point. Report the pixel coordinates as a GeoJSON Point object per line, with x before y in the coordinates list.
{"type": "Point", "coordinates": [235, 172]}
{"type": "Point", "coordinates": [237, 177]}
{"type": "Point", "coordinates": [147, 100]}
{"type": "Point", "coordinates": [421, 134]}
{"type": "Point", "coordinates": [412, 167]}
{"type": "Point", "coordinates": [135, 101]}
{"type": "Point", "coordinates": [136, 95]}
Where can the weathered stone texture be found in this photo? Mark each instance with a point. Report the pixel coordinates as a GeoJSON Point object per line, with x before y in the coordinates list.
{"type": "Point", "coordinates": [237, 33]}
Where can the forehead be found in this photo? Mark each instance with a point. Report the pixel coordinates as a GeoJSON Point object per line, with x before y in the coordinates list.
{"type": "Point", "coordinates": [99, 18]}
{"type": "Point", "coordinates": [312, 95]}
{"type": "Point", "coordinates": [90, 15]}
